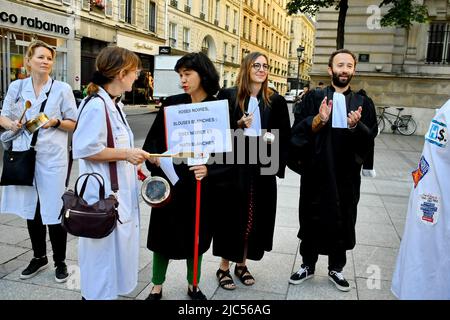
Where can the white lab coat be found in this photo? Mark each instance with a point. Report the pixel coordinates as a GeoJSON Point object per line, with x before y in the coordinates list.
{"type": "Point", "coordinates": [422, 270]}
{"type": "Point", "coordinates": [51, 150]}
{"type": "Point", "coordinates": [108, 266]}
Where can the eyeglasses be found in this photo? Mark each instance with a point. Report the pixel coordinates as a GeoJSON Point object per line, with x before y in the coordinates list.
{"type": "Point", "coordinates": [257, 66]}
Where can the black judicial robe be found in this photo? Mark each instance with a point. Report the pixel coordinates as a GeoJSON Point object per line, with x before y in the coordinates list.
{"type": "Point", "coordinates": [172, 227]}
{"type": "Point", "coordinates": [232, 217]}
{"type": "Point", "coordinates": [330, 165]}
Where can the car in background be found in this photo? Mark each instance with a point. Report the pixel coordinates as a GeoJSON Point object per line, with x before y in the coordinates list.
{"type": "Point", "coordinates": [292, 96]}
{"type": "Point", "coordinates": [289, 97]}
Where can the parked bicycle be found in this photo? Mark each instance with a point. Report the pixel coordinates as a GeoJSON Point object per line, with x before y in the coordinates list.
{"type": "Point", "coordinates": [404, 124]}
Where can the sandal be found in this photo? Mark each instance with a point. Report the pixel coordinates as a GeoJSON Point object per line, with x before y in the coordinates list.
{"type": "Point", "coordinates": [244, 275]}
{"type": "Point", "coordinates": [227, 284]}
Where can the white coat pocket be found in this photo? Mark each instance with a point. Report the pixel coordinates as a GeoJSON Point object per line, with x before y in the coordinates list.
{"type": "Point", "coordinates": [122, 141]}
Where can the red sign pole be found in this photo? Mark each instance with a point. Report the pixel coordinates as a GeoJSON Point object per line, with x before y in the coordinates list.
{"type": "Point", "coordinates": [197, 230]}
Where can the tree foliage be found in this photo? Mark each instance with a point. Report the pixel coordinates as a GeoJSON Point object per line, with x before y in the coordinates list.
{"type": "Point", "coordinates": [401, 13]}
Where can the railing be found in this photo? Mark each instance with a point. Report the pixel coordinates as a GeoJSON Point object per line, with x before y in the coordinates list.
{"type": "Point", "coordinates": [173, 42]}
{"type": "Point", "coordinates": [187, 8]}
{"type": "Point", "coordinates": [202, 16]}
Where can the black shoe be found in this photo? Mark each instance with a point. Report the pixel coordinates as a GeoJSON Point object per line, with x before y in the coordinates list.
{"type": "Point", "coordinates": [61, 274]}
{"type": "Point", "coordinates": [36, 265]}
{"type": "Point", "coordinates": [338, 280]}
{"type": "Point", "coordinates": [197, 295]}
{"type": "Point", "coordinates": [154, 296]}
{"type": "Point", "coordinates": [304, 273]}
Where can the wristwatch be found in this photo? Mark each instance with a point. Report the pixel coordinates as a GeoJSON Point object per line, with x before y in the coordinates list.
{"type": "Point", "coordinates": [58, 123]}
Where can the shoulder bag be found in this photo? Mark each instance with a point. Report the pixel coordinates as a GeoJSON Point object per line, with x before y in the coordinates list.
{"type": "Point", "coordinates": [95, 220]}
{"type": "Point", "coordinates": [19, 166]}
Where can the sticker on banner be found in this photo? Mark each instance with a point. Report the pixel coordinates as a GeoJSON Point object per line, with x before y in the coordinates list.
{"type": "Point", "coordinates": [429, 208]}
{"type": "Point", "coordinates": [421, 171]}
{"type": "Point", "coordinates": [437, 134]}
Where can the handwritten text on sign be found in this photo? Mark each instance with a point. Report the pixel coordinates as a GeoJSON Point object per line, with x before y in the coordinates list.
{"type": "Point", "coordinates": [198, 127]}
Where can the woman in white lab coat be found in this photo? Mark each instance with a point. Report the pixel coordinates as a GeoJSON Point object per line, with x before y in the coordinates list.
{"type": "Point", "coordinates": [109, 266]}
{"type": "Point", "coordinates": [422, 271]}
{"type": "Point", "coordinates": [41, 203]}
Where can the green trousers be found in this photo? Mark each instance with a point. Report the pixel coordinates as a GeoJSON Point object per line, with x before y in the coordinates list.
{"type": "Point", "coordinates": [160, 264]}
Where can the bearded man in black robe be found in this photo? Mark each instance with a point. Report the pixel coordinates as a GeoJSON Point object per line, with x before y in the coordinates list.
{"type": "Point", "coordinates": [331, 138]}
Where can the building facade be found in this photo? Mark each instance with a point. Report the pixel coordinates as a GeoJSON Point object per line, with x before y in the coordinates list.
{"type": "Point", "coordinates": [265, 28]}
{"type": "Point", "coordinates": [303, 31]}
{"type": "Point", "coordinates": [210, 26]}
{"type": "Point", "coordinates": [227, 30]}
{"type": "Point", "coordinates": [397, 67]}
{"type": "Point", "coordinates": [78, 29]}
{"type": "Point", "coordinates": [138, 25]}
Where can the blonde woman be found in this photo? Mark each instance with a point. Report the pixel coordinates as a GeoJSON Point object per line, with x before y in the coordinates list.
{"type": "Point", "coordinates": [41, 203]}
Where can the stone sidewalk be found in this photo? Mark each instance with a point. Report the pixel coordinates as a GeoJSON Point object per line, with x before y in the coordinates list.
{"type": "Point", "coordinates": [381, 216]}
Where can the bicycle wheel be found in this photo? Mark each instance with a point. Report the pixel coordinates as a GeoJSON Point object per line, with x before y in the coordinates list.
{"type": "Point", "coordinates": [381, 124]}
{"type": "Point", "coordinates": [406, 125]}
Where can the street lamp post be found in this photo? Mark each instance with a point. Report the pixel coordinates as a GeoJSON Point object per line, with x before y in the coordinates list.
{"type": "Point", "coordinates": [300, 50]}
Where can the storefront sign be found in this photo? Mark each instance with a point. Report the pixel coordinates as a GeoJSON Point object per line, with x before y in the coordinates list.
{"type": "Point", "coordinates": [164, 50]}
{"type": "Point", "coordinates": [31, 19]}
{"type": "Point", "coordinates": [136, 44]}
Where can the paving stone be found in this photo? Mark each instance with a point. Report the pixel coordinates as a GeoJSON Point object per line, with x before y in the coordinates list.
{"type": "Point", "coordinates": [9, 252]}
{"type": "Point", "coordinates": [287, 217]}
{"type": "Point", "coordinates": [7, 217]}
{"type": "Point", "coordinates": [12, 235]}
{"type": "Point", "coordinates": [369, 290]}
{"type": "Point", "coordinates": [374, 262]}
{"type": "Point", "coordinates": [377, 234]}
{"type": "Point", "coordinates": [377, 215]}
{"type": "Point", "coordinates": [14, 290]}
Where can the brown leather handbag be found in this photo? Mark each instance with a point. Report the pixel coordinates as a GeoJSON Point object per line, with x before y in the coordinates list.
{"type": "Point", "coordinates": [95, 220]}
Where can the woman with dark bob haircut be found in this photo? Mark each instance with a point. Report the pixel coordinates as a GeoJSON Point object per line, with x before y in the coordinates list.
{"type": "Point", "coordinates": [171, 230]}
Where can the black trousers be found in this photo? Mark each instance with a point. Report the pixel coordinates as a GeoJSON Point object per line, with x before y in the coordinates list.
{"type": "Point", "coordinates": [37, 232]}
{"type": "Point", "coordinates": [336, 260]}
